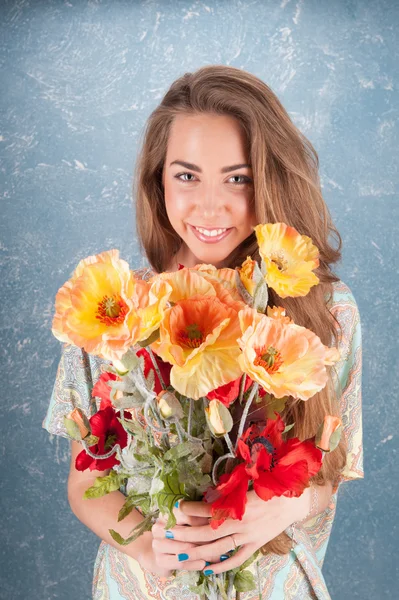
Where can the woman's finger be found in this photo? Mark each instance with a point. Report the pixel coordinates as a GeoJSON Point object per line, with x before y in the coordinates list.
{"type": "Point", "coordinates": [166, 546]}
{"type": "Point", "coordinates": [211, 552]}
{"type": "Point", "coordinates": [195, 508]}
{"type": "Point", "coordinates": [236, 560]}
{"type": "Point", "coordinates": [169, 561]}
{"type": "Point", "coordinates": [196, 534]}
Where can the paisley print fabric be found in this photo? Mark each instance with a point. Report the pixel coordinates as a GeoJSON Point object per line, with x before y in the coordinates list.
{"type": "Point", "coordinates": [294, 576]}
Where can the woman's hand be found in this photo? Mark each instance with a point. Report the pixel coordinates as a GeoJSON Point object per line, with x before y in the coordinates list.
{"type": "Point", "coordinates": [162, 558]}
{"type": "Point", "coordinates": [261, 522]}
{"type": "Point", "coordinates": [147, 558]}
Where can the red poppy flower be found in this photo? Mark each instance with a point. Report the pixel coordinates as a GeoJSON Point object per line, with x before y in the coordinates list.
{"type": "Point", "coordinates": [163, 366]}
{"type": "Point", "coordinates": [276, 467]}
{"type": "Point", "coordinates": [229, 497]}
{"type": "Point", "coordinates": [104, 425]}
{"type": "Point", "coordinates": [102, 390]}
{"type": "Point", "coordinates": [229, 392]}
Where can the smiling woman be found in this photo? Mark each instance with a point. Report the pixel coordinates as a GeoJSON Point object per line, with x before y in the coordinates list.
{"type": "Point", "coordinates": [220, 155]}
{"type": "Point", "coordinates": [209, 207]}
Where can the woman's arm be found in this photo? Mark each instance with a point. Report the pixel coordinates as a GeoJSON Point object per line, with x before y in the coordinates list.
{"type": "Point", "coordinates": [101, 514]}
{"type": "Point", "coordinates": [300, 508]}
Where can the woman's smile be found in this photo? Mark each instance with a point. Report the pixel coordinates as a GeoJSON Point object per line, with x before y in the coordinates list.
{"type": "Point", "coordinates": [210, 236]}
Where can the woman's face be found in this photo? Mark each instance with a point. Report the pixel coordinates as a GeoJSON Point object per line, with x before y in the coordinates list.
{"type": "Point", "coordinates": [208, 184]}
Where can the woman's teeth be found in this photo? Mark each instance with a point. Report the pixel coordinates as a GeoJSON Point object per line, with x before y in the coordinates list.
{"type": "Point", "coordinates": [211, 232]}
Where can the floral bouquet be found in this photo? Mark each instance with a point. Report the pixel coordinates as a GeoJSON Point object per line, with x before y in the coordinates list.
{"type": "Point", "coordinates": [190, 352]}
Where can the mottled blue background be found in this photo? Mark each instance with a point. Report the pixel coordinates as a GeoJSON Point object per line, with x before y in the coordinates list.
{"type": "Point", "coordinates": [78, 81]}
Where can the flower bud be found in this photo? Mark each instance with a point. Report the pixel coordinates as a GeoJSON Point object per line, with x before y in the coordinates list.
{"type": "Point", "coordinates": [329, 433]}
{"type": "Point", "coordinates": [332, 356]}
{"type": "Point", "coordinates": [218, 417]}
{"type": "Point", "coordinates": [246, 274]}
{"type": "Point", "coordinates": [252, 285]}
{"type": "Point", "coordinates": [169, 406]}
{"type": "Point", "coordinates": [77, 417]}
{"type": "Point", "coordinates": [279, 313]}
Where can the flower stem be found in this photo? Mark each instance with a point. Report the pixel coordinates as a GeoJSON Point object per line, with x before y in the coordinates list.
{"type": "Point", "coordinates": [242, 387]}
{"type": "Point", "coordinates": [217, 463]}
{"type": "Point", "coordinates": [229, 444]}
{"type": "Point", "coordinates": [190, 416]}
{"type": "Point", "coordinates": [156, 366]}
{"type": "Point", "coordinates": [244, 415]}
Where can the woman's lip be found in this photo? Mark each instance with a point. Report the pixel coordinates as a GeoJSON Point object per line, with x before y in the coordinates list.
{"type": "Point", "coordinates": [207, 239]}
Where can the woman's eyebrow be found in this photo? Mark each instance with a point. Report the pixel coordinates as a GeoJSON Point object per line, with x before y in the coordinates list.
{"type": "Point", "coordinates": [193, 167]}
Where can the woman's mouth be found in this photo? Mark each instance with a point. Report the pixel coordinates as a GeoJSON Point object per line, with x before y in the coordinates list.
{"type": "Point", "coordinates": [210, 236]}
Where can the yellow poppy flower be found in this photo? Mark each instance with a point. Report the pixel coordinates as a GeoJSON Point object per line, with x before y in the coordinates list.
{"type": "Point", "coordinates": [104, 309]}
{"type": "Point", "coordinates": [289, 258]}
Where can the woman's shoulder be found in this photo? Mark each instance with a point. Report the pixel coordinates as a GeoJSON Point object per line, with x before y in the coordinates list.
{"type": "Point", "coordinates": [342, 296]}
{"type": "Point", "coordinates": [143, 273]}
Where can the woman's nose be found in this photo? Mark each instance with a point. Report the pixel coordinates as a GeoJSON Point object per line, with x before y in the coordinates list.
{"type": "Point", "coordinates": [211, 204]}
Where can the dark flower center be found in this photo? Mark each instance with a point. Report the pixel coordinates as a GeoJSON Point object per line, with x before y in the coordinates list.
{"type": "Point", "coordinates": [262, 442]}
{"type": "Point", "coordinates": [191, 336]}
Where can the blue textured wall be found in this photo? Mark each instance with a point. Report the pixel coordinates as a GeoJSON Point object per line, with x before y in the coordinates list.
{"type": "Point", "coordinates": [78, 80]}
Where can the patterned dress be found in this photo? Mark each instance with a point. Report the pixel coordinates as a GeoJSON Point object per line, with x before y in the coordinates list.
{"type": "Point", "coordinates": [294, 576]}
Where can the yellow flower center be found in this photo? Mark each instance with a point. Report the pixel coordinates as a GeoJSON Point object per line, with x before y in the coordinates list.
{"type": "Point", "coordinates": [279, 260]}
{"type": "Point", "coordinates": [112, 310]}
{"type": "Point", "coordinates": [191, 336]}
{"type": "Point", "coordinates": [270, 360]}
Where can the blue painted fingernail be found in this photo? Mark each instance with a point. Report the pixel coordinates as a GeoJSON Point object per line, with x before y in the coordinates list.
{"type": "Point", "coordinates": [177, 504]}
{"type": "Point", "coordinates": [169, 534]}
{"type": "Point", "coordinates": [183, 556]}
{"type": "Point", "coordinates": [224, 557]}
{"type": "Point", "coordinates": [208, 572]}
{"type": "Point", "coordinates": [207, 563]}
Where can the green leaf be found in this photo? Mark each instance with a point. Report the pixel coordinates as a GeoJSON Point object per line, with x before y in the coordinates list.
{"type": "Point", "coordinates": [288, 428]}
{"type": "Point", "coordinates": [244, 581]}
{"type": "Point", "coordinates": [221, 588]}
{"type": "Point", "coordinates": [249, 560]}
{"type": "Point", "coordinates": [141, 500]}
{"type": "Point", "coordinates": [334, 438]}
{"type": "Point", "coordinates": [172, 492]}
{"type": "Point", "coordinates": [245, 295]}
{"type": "Point", "coordinates": [134, 428]}
{"type": "Point", "coordinates": [91, 440]}
{"type": "Point", "coordinates": [188, 577]}
{"type": "Point", "coordinates": [72, 429]}
{"type": "Point", "coordinates": [261, 293]}
{"type": "Point", "coordinates": [273, 405]}
{"type": "Point", "coordinates": [150, 340]}
{"type": "Point", "coordinates": [105, 485]}
{"type": "Point", "coordinates": [128, 362]}
{"type": "Point", "coordinates": [184, 449]}
{"type": "Point", "coordinates": [145, 525]}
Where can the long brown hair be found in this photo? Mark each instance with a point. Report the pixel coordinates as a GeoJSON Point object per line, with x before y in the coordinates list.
{"type": "Point", "coordinates": [286, 189]}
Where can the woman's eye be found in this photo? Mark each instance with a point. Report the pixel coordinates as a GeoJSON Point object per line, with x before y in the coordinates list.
{"type": "Point", "coordinates": [185, 180]}
{"type": "Point", "coordinates": [243, 178]}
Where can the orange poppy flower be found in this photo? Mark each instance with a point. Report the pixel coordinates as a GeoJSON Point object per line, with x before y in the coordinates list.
{"type": "Point", "coordinates": [284, 358]}
{"type": "Point", "coordinates": [198, 335]}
